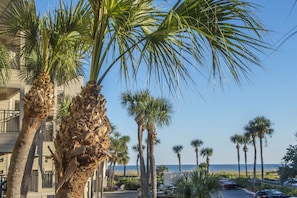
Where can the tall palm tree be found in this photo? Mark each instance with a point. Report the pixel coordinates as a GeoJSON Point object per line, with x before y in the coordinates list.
{"type": "Point", "coordinates": [252, 133]}
{"type": "Point", "coordinates": [196, 144]}
{"type": "Point", "coordinates": [136, 105]}
{"type": "Point", "coordinates": [246, 140]}
{"type": "Point", "coordinates": [263, 127]}
{"type": "Point", "coordinates": [138, 34]}
{"type": "Point", "coordinates": [158, 112]}
{"type": "Point", "coordinates": [207, 152]}
{"type": "Point", "coordinates": [237, 139]}
{"type": "Point", "coordinates": [52, 51]}
{"type": "Point", "coordinates": [177, 149]}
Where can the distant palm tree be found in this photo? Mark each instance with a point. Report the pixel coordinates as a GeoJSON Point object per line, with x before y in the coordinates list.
{"type": "Point", "coordinates": [177, 149]}
{"type": "Point", "coordinates": [207, 152]}
{"type": "Point", "coordinates": [263, 127]}
{"type": "Point", "coordinates": [135, 149]}
{"type": "Point", "coordinates": [196, 144]}
{"type": "Point", "coordinates": [118, 147]}
{"type": "Point", "coordinates": [123, 158]}
{"type": "Point", "coordinates": [237, 139]}
{"type": "Point", "coordinates": [252, 133]}
{"type": "Point", "coordinates": [246, 140]}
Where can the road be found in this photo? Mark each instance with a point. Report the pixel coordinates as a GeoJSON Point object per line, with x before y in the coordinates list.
{"type": "Point", "coordinates": [242, 193]}
{"type": "Point", "coordinates": [225, 194]}
{"type": "Point", "coordinates": [120, 194]}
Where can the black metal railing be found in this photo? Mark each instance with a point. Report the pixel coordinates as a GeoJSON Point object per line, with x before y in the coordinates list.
{"type": "Point", "coordinates": [9, 121]}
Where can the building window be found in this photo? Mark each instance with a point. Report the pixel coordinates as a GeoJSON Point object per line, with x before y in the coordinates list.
{"type": "Point", "coordinates": [34, 181]}
{"type": "Point", "coordinates": [48, 133]}
{"type": "Point", "coordinates": [47, 179]}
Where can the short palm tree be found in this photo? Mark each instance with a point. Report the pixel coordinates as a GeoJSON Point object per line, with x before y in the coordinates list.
{"type": "Point", "coordinates": [138, 36]}
{"type": "Point", "coordinates": [237, 139]}
{"type": "Point", "coordinates": [207, 152]}
{"type": "Point", "coordinates": [177, 150]}
{"type": "Point", "coordinates": [52, 51]}
{"type": "Point", "coordinates": [196, 144]}
{"type": "Point", "coordinates": [198, 184]}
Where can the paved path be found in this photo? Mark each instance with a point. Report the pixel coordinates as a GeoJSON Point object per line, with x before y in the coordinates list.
{"type": "Point", "coordinates": [242, 193]}
{"type": "Point", "coordinates": [120, 194]}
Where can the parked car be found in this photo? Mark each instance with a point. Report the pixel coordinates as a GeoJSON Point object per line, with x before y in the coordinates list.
{"type": "Point", "coordinates": [270, 193]}
{"type": "Point", "coordinates": [228, 184]}
{"type": "Point", "coordinates": [291, 183]}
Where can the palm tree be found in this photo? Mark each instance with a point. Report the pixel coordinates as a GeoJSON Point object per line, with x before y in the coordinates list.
{"type": "Point", "coordinates": [177, 149]}
{"type": "Point", "coordinates": [152, 111]}
{"type": "Point", "coordinates": [135, 148]}
{"type": "Point", "coordinates": [123, 159]}
{"type": "Point", "coordinates": [263, 127]}
{"type": "Point", "coordinates": [198, 184]}
{"type": "Point", "coordinates": [52, 51]}
{"type": "Point", "coordinates": [237, 139]}
{"type": "Point", "coordinates": [196, 144]}
{"type": "Point", "coordinates": [158, 111]}
{"type": "Point", "coordinates": [5, 64]}
{"type": "Point", "coordinates": [137, 34]}
{"type": "Point", "coordinates": [252, 133]}
{"type": "Point", "coordinates": [149, 170]}
{"type": "Point", "coordinates": [136, 105]}
{"type": "Point", "coordinates": [246, 140]}
{"type": "Point", "coordinates": [206, 152]}
{"type": "Point", "coordinates": [118, 147]}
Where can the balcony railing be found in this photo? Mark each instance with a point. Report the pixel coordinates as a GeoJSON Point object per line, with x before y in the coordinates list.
{"type": "Point", "coordinates": [9, 121]}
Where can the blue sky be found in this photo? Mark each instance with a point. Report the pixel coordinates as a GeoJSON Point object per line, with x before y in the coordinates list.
{"type": "Point", "coordinates": [213, 114]}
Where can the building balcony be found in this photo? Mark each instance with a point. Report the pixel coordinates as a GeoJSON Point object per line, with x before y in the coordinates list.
{"type": "Point", "coordinates": [9, 130]}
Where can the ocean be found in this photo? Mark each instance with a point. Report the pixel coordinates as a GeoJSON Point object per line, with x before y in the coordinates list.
{"type": "Point", "coordinates": [212, 167]}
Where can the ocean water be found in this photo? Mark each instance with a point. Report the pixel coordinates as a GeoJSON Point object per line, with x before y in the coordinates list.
{"type": "Point", "coordinates": [212, 167]}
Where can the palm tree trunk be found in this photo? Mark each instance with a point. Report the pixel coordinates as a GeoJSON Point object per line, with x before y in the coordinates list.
{"type": "Point", "coordinates": [262, 164]}
{"type": "Point", "coordinates": [197, 163]}
{"type": "Point", "coordinates": [82, 142]}
{"type": "Point", "coordinates": [255, 164]}
{"type": "Point", "coordinates": [148, 170]}
{"type": "Point", "coordinates": [238, 161]}
{"type": "Point", "coordinates": [245, 161]}
{"type": "Point", "coordinates": [38, 104]}
{"type": "Point", "coordinates": [179, 163]}
{"type": "Point", "coordinates": [143, 183]}
{"type": "Point", "coordinates": [207, 163]}
{"type": "Point", "coordinates": [137, 167]}
{"type": "Point", "coordinates": [28, 169]}
{"type": "Point", "coordinates": [153, 166]}
{"type": "Point", "coordinates": [110, 173]}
